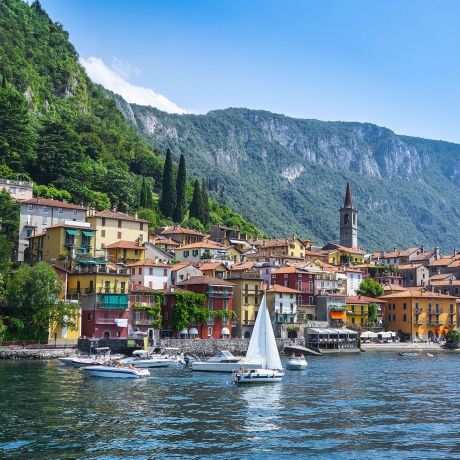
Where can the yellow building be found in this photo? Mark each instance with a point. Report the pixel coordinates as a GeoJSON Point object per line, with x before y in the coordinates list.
{"type": "Point", "coordinates": [67, 239]}
{"type": "Point", "coordinates": [247, 294]}
{"type": "Point", "coordinates": [128, 252]}
{"type": "Point", "coordinates": [341, 254]}
{"type": "Point", "coordinates": [234, 254]}
{"type": "Point", "coordinates": [420, 314]}
{"type": "Point", "coordinates": [116, 226]}
{"type": "Point", "coordinates": [357, 310]}
{"type": "Point", "coordinates": [293, 247]}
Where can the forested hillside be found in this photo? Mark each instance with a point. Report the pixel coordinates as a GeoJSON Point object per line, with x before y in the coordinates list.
{"type": "Point", "coordinates": [63, 131]}
{"type": "Point", "coordinates": [288, 175]}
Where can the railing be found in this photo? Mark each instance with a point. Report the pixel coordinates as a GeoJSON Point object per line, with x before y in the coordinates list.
{"type": "Point", "coordinates": [433, 323]}
{"type": "Point", "coordinates": [143, 322]}
{"type": "Point", "coordinates": [105, 321]}
{"type": "Point", "coordinates": [112, 306]}
{"type": "Point", "coordinates": [433, 311]}
{"type": "Point", "coordinates": [212, 293]}
{"type": "Point", "coordinates": [239, 276]}
{"type": "Point", "coordinates": [247, 323]}
{"type": "Point", "coordinates": [418, 322]}
{"type": "Point", "coordinates": [72, 296]}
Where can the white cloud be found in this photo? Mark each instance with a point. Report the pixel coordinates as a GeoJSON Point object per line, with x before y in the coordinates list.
{"type": "Point", "coordinates": [100, 73]}
{"type": "Point", "coordinates": [124, 68]}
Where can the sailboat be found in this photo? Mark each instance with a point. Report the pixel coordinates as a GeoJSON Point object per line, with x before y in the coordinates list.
{"type": "Point", "coordinates": [262, 348]}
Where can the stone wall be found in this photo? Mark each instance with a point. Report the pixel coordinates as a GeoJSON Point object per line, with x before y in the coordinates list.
{"type": "Point", "coordinates": [24, 353]}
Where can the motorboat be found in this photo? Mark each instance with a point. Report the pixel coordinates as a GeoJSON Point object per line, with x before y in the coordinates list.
{"type": "Point", "coordinates": [102, 356]}
{"type": "Point", "coordinates": [172, 356]}
{"type": "Point", "coordinates": [142, 359]}
{"type": "Point", "coordinates": [263, 349]}
{"type": "Point", "coordinates": [409, 354]}
{"type": "Point", "coordinates": [297, 363]}
{"type": "Point", "coordinates": [224, 361]}
{"type": "Point", "coordinates": [122, 372]}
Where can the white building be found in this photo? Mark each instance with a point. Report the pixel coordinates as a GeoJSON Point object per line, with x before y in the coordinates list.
{"type": "Point", "coordinates": [197, 252]}
{"type": "Point", "coordinates": [354, 278]}
{"type": "Point", "coordinates": [282, 303]}
{"type": "Point", "coordinates": [150, 273]}
{"type": "Point", "coordinates": [18, 190]}
{"type": "Point", "coordinates": [38, 213]}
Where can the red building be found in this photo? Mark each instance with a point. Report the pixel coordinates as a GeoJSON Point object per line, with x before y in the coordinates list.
{"type": "Point", "coordinates": [219, 296]}
{"type": "Point", "coordinates": [298, 279]}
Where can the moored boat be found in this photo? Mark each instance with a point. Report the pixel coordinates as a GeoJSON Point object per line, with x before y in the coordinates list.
{"type": "Point", "coordinates": [262, 348]}
{"type": "Point", "coordinates": [142, 359]}
{"type": "Point", "coordinates": [124, 372]}
{"type": "Point", "coordinates": [224, 361]}
{"type": "Point", "coordinates": [408, 354]}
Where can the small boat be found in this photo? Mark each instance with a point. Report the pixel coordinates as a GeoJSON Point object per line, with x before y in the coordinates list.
{"type": "Point", "coordinates": [123, 372]}
{"type": "Point", "coordinates": [408, 354]}
{"type": "Point", "coordinates": [298, 363]}
{"type": "Point", "coordinates": [430, 355]}
{"type": "Point", "coordinates": [142, 359]}
{"type": "Point", "coordinates": [262, 348]}
{"type": "Point", "coordinates": [224, 361]}
{"type": "Point", "coordinates": [102, 356]}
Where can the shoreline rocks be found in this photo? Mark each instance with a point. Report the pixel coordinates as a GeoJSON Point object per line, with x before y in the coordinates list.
{"type": "Point", "coordinates": [35, 353]}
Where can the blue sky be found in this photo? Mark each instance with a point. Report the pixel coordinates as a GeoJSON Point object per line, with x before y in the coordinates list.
{"type": "Point", "coordinates": [395, 63]}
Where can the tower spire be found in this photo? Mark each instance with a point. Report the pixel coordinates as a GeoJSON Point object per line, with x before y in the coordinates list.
{"type": "Point", "coordinates": [348, 201]}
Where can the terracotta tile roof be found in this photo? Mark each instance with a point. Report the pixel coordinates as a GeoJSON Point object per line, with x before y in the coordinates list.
{"type": "Point", "coordinates": [76, 227]}
{"type": "Point", "coordinates": [242, 267]}
{"type": "Point", "coordinates": [279, 288]}
{"type": "Point", "coordinates": [408, 266]}
{"type": "Point", "coordinates": [210, 266]}
{"type": "Point", "coordinates": [148, 263]}
{"type": "Point", "coordinates": [286, 270]}
{"type": "Point", "coordinates": [166, 241]}
{"type": "Point", "coordinates": [362, 300]}
{"type": "Point", "coordinates": [445, 282]}
{"type": "Point", "coordinates": [178, 230]}
{"type": "Point", "coordinates": [116, 215]}
{"type": "Point", "coordinates": [133, 288]}
{"type": "Point", "coordinates": [180, 266]}
{"type": "Point", "coordinates": [441, 276]}
{"type": "Point", "coordinates": [269, 254]}
{"type": "Point", "coordinates": [276, 243]}
{"type": "Point", "coordinates": [53, 203]}
{"type": "Point", "coordinates": [423, 256]}
{"type": "Point", "coordinates": [36, 235]}
{"type": "Point", "coordinates": [203, 245]}
{"type": "Point", "coordinates": [343, 248]}
{"type": "Point", "coordinates": [393, 287]}
{"type": "Point", "coordinates": [122, 244]}
{"type": "Point", "coordinates": [417, 293]}
{"type": "Point", "coordinates": [205, 279]}
{"type": "Point", "coordinates": [443, 261]}
{"type": "Point", "coordinates": [395, 254]}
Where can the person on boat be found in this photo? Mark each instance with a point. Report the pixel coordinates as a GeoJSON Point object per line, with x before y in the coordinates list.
{"type": "Point", "coordinates": [302, 357]}
{"type": "Point", "coordinates": [292, 355]}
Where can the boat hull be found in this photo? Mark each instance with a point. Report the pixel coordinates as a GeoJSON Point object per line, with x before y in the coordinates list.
{"type": "Point", "coordinates": [145, 363]}
{"type": "Point", "coordinates": [205, 366]}
{"type": "Point", "coordinates": [296, 365]}
{"type": "Point", "coordinates": [258, 376]}
{"type": "Point", "coordinates": [116, 372]}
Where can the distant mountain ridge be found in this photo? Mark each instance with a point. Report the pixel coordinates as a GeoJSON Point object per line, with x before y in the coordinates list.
{"type": "Point", "coordinates": [288, 175]}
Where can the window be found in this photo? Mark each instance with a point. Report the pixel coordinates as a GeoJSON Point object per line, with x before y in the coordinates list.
{"type": "Point", "coordinates": [225, 306]}
{"type": "Point", "coordinates": [310, 300]}
{"type": "Point", "coordinates": [29, 233]}
{"type": "Point", "coordinates": [281, 295]}
{"type": "Point", "coordinates": [45, 209]}
{"type": "Point", "coordinates": [186, 253]}
{"type": "Point", "coordinates": [102, 233]}
{"type": "Point", "coordinates": [30, 207]}
{"type": "Point", "coordinates": [166, 315]}
{"type": "Point", "coordinates": [137, 316]}
{"type": "Point", "coordinates": [281, 306]}
{"type": "Point", "coordinates": [103, 221]}
{"type": "Point", "coordinates": [404, 306]}
{"type": "Point", "coordinates": [195, 252]}
{"type": "Point", "coordinates": [299, 285]}
{"type": "Point", "coordinates": [404, 317]}
{"type": "Point", "coordinates": [119, 223]}
{"type": "Point", "coordinates": [140, 271]}
{"type": "Point", "coordinates": [165, 272]}
{"type": "Point", "coordinates": [285, 283]}
{"type": "Point", "coordinates": [60, 210]}
{"type": "Point", "coordinates": [246, 300]}
{"type": "Point", "coordinates": [123, 287]}
{"type": "Point", "coordinates": [224, 320]}
{"type": "Point", "coordinates": [141, 225]}
{"type": "Point", "coordinates": [119, 235]}
{"type": "Point", "coordinates": [310, 287]}
{"type": "Point", "coordinates": [210, 305]}
{"type": "Point", "coordinates": [74, 212]}
{"type": "Point", "coordinates": [151, 271]}
{"type": "Point", "coordinates": [90, 317]}
{"type": "Point", "coordinates": [209, 331]}
{"type": "Point", "coordinates": [286, 275]}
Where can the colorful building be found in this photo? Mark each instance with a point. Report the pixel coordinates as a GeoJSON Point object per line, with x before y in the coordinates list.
{"type": "Point", "coordinates": [282, 305]}
{"type": "Point", "coordinates": [293, 247]}
{"type": "Point", "coordinates": [204, 250]}
{"type": "Point", "coordinates": [65, 240]}
{"type": "Point", "coordinates": [182, 235]}
{"type": "Point", "coordinates": [150, 273]}
{"type": "Point", "coordinates": [114, 226]}
{"type": "Point", "coordinates": [420, 314]}
{"type": "Point", "coordinates": [128, 252]}
{"type": "Point", "coordinates": [219, 297]}
{"type": "Point", "coordinates": [102, 288]}
{"type": "Point", "coordinates": [357, 311]}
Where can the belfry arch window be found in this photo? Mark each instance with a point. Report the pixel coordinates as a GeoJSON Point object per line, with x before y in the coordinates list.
{"type": "Point", "coordinates": [346, 219]}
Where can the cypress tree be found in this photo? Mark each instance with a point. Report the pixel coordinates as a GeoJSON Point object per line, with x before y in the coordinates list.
{"type": "Point", "coordinates": [205, 202]}
{"type": "Point", "coordinates": [196, 205]}
{"type": "Point", "coordinates": [143, 195]}
{"type": "Point", "coordinates": [181, 181]}
{"type": "Point", "coordinates": [168, 191]}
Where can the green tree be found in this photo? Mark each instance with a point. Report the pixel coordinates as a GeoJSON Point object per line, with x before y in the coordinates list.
{"type": "Point", "coordinates": [181, 184]}
{"type": "Point", "coordinates": [17, 138]}
{"type": "Point", "coordinates": [370, 288]}
{"type": "Point", "coordinates": [119, 187]}
{"type": "Point", "coordinates": [9, 225]}
{"type": "Point", "coordinates": [143, 196]}
{"type": "Point", "coordinates": [168, 191]}
{"type": "Point", "coordinates": [33, 300]}
{"type": "Point", "coordinates": [452, 339]}
{"type": "Point", "coordinates": [205, 204]}
{"type": "Point", "coordinates": [58, 151]}
{"type": "Point", "coordinates": [372, 313]}
{"type": "Point", "coordinates": [196, 205]}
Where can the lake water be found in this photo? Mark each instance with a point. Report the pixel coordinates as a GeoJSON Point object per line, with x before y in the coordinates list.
{"type": "Point", "coordinates": [370, 405]}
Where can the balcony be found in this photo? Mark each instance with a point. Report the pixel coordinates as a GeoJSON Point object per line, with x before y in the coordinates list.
{"type": "Point", "coordinates": [105, 321]}
{"type": "Point", "coordinates": [418, 322]}
{"type": "Point", "coordinates": [243, 276]}
{"type": "Point", "coordinates": [143, 322]}
{"type": "Point", "coordinates": [418, 310]}
{"type": "Point", "coordinates": [113, 302]}
{"type": "Point", "coordinates": [247, 323]}
{"type": "Point", "coordinates": [434, 311]}
{"type": "Point", "coordinates": [433, 323]}
{"type": "Point", "coordinates": [214, 293]}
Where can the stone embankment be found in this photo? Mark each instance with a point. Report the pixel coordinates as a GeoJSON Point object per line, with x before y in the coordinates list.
{"type": "Point", "coordinates": [205, 348]}
{"type": "Point", "coordinates": [402, 347]}
{"type": "Point", "coordinates": [35, 353]}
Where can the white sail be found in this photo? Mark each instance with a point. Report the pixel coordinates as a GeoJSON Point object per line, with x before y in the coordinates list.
{"type": "Point", "coordinates": [262, 346]}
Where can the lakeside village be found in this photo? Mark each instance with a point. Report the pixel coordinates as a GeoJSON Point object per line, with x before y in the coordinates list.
{"type": "Point", "coordinates": [131, 282]}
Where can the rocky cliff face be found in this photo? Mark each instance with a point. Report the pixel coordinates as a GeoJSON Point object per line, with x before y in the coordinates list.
{"type": "Point", "coordinates": [288, 175]}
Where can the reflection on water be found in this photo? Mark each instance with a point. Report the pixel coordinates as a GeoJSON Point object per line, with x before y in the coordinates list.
{"type": "Point", "coordinates": [361, 406]}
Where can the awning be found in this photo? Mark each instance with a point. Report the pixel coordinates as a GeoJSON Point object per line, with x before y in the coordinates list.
{"type": "Point", "coordinates": [193, 331]}
{"type": "Point", "coordinates": [225, 331]}
{"type": "Point", "coordinates": [183, 332]}
{"type": "Point", "coordinates": [88, 232]}
{"type": "Point", "coordinates": [69, 231]}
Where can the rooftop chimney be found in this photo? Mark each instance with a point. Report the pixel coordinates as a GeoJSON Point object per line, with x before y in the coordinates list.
{"type": "Point", "coordinates": [436, 253]}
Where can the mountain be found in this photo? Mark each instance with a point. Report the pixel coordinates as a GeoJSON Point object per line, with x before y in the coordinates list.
{"type": "Point", "coordinates": [61, 130]}
{"type": "Point", "coordinates": [288, 175]}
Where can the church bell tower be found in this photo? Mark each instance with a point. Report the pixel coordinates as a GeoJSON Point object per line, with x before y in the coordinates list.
{"type": "Point", "coordinates": [348, 222]}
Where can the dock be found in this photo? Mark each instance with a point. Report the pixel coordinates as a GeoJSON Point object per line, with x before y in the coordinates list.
{"type": "Point", "coordinates": [297, 349]}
